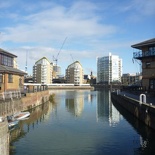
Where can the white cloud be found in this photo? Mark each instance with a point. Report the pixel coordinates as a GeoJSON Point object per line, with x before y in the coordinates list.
{"type": "Point", "coordinates": [59, 21]}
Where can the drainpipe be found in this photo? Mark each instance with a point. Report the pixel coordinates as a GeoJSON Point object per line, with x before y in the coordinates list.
{"type": "Point", "coordinates": [4, 81]}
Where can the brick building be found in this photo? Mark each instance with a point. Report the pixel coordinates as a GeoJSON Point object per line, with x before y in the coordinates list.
{"type": "Point", "coordinates": [11, 78]}
{"type": "Point", "coordinates": [146, 54]}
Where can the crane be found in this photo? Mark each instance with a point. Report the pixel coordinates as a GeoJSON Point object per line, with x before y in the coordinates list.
{"type": "Point", "coordinates": [56, 58]}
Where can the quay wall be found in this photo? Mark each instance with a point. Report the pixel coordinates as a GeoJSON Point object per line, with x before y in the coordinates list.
{"type": "Point", "coordinates": [27, 102]}
{"type": "Point", "coordinates": [144, 112]}
{"type": "Point", "coordinates": [71, 87]}
{"type": "Point", "coordinates": [4, 138]}
{"type": "Point", "coordinates": [34, 99]}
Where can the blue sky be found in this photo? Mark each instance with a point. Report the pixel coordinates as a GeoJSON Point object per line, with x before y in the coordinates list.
{"type": "Point", "coordinates": [93, 28]}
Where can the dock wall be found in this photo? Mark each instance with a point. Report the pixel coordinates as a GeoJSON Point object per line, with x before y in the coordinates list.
{"type": "Point", "coordinates": [4, 138]}
{"type": "Point", "coordinates": [32, 100]}
{"type": "Point", "coordinates": [29, 101]}
{"type": "Point", "coordinates": [144, 112]}
{"type": "Point", "coordinates": [71, 87]}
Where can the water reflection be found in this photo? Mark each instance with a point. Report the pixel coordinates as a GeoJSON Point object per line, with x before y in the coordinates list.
{"type": "Point", "coordinates": [86, 122]}
{"type": "Point", "coordinates": [74, 102]}
{"type": "Point", "coordinates": [105, 109]}
{"type": "Point", "coordinates": [146, 140]}
{"type": "Point", "coordinates": [38, 115]}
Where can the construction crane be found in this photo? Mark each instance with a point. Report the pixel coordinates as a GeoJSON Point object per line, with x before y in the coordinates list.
{"type": "Point", "coordinates": [72, 57]}
{"type": "Point", "coordinates": [56, 58]}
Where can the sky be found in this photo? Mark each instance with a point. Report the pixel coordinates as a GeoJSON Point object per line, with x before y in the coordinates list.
{"type": "Point", "coordinates": [75, 30]}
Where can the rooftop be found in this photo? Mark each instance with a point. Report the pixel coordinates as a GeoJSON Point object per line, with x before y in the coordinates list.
{"type": "Point", "coordinates": [149, 42]}
{"type": "Point", "coordinates": [7, 53]}
{"type": "Point", "coordinates": [6, 69]}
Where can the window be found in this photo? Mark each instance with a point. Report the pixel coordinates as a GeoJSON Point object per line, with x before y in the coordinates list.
{"type": "Point", "coordinates": [6, 60]}
{"type": "Point", "coordinates": [10, 78]}
{"type": "Point", "coordinates": [148, 64]}
{"type": "Point", "coordinates": [152, 84]}
{"type": "Point", "coordinates": [1, 78]}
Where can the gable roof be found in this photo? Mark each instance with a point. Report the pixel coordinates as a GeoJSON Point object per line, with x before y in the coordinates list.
{"type": "Point", "coordinates": [7, 53]}
{"type": "Point", "coordinates": [6, 69]}
{"type": "Point", "coordinates": [144, 43]}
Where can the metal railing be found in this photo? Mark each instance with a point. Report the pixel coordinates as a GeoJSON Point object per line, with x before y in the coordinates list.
{"type": "Point", "coordinates": [141, 54]}
{"type": "Point", "coordinates": [10, 95]}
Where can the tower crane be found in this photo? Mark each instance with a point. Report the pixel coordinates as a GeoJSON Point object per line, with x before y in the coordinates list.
{"type": "Point", "coordinates": [56, 58]}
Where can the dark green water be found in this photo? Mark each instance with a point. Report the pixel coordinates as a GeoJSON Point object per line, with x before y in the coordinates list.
{"type": "Point", "coordinates": [81, 123]}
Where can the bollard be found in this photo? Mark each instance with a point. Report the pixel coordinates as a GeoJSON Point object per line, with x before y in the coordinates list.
{"type": "Point", "coordinates": [142, 98]}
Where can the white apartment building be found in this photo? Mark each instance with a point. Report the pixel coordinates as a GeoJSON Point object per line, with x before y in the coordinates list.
{"type": "Point", "coordinates": [42, 71]}
{"type": "Point", "coordinates": [109, 69]}
{"type": "Point", "coordinates": [74, 73]}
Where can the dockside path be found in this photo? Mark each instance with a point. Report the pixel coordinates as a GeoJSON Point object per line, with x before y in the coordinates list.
{"type": "Point", "coordinates": [149, 99]}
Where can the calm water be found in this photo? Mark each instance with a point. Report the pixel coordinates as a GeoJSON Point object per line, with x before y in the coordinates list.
{"type": "Point", "coordinates": [81, 123]}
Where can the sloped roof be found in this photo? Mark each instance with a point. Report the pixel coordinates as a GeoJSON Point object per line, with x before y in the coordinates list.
{"type": "Point", "coordinates": [6, 69]}
{"type": "Point", "coordinates": [42, 59]}
{"type": "Point", "coordinates": [7, 53]}
{"type": "Point", "coordinates": [74, 63]}
{"type": "Point", "coordinates": [144, 43]}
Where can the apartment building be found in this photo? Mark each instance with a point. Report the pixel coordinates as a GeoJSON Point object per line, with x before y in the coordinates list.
{"type": "Point", "coordinates": [42, 71]}
{"type": "Point", "coordinates": [74, 73]}
{"type": "Point", "coordinates": [11, 78]}
{"type": "Point", "coordinates": [145, 52]}
{"type": "Point", "coordinates": [109, 69]}
{"type": "Point", "coordinates": [131, 79]}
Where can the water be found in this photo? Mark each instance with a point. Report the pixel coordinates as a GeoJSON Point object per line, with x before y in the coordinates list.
{"type": "Point", "coordinates": [81, 123]}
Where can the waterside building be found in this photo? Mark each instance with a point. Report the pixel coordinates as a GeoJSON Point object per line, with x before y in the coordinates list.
{"type": "Point", "coordinates": [74, 73]}
{"type": "Point", "coordinates": [11, 78]}
{"type": "Point", "coordinates": [109, 69]}
{"type": "Point", "coordinates": [42, 71]}
{"type": "Point", "coordinates": [146, 54]}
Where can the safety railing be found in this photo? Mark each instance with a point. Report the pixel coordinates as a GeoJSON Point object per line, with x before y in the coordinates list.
{"type": "Point", "coordinates": [10, 95]}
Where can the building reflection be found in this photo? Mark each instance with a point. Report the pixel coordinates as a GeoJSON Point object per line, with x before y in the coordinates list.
{"type": "Point", "coordinates": [75, 102]}
{"type": "Point", "coordinates": [38, 115]}
{"type": "Point", "coordinates": [105, 109]}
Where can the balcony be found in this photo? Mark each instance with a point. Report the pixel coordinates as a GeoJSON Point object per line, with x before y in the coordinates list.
{"type": "Point", "coordinates": [140, 55]}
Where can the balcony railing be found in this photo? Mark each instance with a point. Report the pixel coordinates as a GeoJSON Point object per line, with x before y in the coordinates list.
{"type": "Point", "coordinates": [140, 54]}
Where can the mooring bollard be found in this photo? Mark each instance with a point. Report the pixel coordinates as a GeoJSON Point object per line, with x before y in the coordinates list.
{"type": "Point", "coordinates": [142, 98]}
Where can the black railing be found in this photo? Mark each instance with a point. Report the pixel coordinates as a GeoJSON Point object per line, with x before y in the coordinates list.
{"type": "Point", "coordinates": [141, 54]}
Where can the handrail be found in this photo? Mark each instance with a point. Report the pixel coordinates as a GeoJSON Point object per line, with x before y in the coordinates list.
{"type": "Point", "coordinates": [10, 95]}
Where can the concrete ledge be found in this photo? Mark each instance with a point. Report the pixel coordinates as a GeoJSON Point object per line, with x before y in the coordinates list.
{"type": "Point", "coordinates": [143, 112]}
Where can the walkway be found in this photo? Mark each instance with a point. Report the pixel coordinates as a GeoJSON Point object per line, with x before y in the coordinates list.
{"type": "Point", "coordinates": [149, 99]}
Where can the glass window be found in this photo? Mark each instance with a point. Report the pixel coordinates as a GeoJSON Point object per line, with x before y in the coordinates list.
{"type": "Point", "coordinates": [152, 84]}
{"type": "Point", "coordinates": [6, 60]}
{"type": "Point", "coordinates": [10, 78]}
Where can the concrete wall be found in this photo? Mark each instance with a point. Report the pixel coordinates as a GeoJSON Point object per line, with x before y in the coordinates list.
{"type": "Point", "coordinates": [143, 112]}
{"type": "Point", "coordinates": [4, 138]}
{"type": "Point", "coordinates": [31, 100]}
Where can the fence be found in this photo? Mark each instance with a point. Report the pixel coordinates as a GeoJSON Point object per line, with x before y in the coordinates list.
{"type": "Point", "coordinates": [10, 95]}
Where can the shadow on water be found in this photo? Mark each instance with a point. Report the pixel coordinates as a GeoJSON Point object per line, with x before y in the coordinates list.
{"type": "Point", "coordinates": [147, 135]}
{"type": "Point", "coordinates": [38, 115]}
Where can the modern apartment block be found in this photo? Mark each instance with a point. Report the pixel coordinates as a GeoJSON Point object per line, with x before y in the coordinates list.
{"type": "Point", "coordinates": [146, 54]}
{"type": "Point", "coordinates": [11, 78]}
{"type": "Point", "coordinates": [74, 73]}
{"type": "Point", "coordinates": [109, 69]}
{"type": "Point", "coordinates": [42, 71]}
